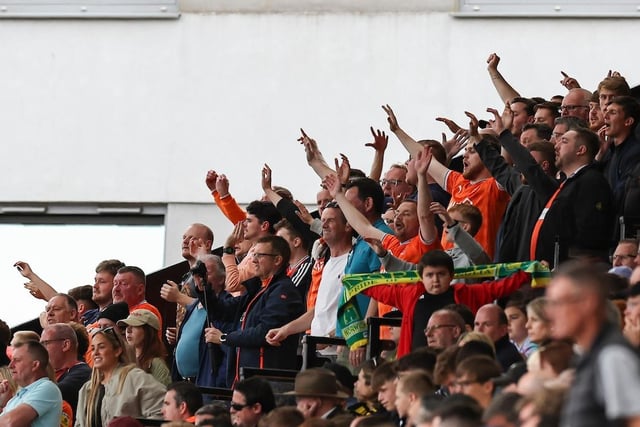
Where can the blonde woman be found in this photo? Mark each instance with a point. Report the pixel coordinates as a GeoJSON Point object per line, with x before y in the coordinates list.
{"type": "Point", "coordinates": [117, 387]}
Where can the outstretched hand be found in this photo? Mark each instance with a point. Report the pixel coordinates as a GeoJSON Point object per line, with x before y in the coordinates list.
{"type": "Point", "coordinates": [474, 137]}
{"type": "Point", "coordinates": [310, 147]}
{"type": "Point", "coordinates": [332, 183]}
{"type": "Point", "coordinates": [453, 126]}
{"type": "Point", "coordinates": [496, 124]}
{"type": "Point", "coordinates": [24, 269]}
{"type": "Point", "coordinates": [568, 81]}
{"type": "Point", "coordinates": [343, 169]}
{"type": "Point", "coordinates": [266, 178]}
{"type": "Point", "coordinates": [376, 246]}
{"type": "Point", "coordinates": [391, 118]}
{"type": "Point", "coordinates": [380, 140]}
{"type": "Point", "coordinates": [438, 209]}
{"type": "Point", "coordinates": [303, 212]}
{"type": "Point", "coordinates": [236, 236]}
{"type": "Point", "coordinates": [455, 144]}
{"type": "Point", "coordinates": [423, 160]}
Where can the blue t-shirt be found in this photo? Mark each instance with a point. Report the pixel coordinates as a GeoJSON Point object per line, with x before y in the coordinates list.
{"type": "Point", "coordinates": [187, 349]}
{"type": "Point", "coordinates": [44, 397]}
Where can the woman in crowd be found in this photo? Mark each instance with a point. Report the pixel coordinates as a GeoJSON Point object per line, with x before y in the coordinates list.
{"type": "Point", "coordinates": [142, 335]}
{"type": "Point", "coordinates": [116, 387]}
{"type": "Point", "coordinates": [538, 329]}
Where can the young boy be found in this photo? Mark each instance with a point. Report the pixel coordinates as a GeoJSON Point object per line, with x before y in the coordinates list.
{"type": "Point", "coordinates": [419, 300]}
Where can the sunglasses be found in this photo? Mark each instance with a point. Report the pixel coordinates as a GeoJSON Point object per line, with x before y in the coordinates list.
{"type": "Point", "coordinates": [239, 406]}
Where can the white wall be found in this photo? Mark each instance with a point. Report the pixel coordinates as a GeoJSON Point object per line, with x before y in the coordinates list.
{"type": "Point", "coordinates": [137, 111]}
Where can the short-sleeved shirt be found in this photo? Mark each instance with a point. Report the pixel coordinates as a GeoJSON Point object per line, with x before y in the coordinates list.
{"type": "Point", "coordinates": [410, 250]}
{"type": "Point", "coordinates": [44, 397]}
{"type": "Point", "coordinates": [488, 196]}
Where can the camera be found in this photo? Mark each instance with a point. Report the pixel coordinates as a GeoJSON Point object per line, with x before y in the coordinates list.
{"type": "Point", "coordinates": [199, 270]}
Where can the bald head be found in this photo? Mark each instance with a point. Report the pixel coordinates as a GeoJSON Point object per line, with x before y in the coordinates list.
{"type": "Point", "coordinates": [576, 104]}
{"type": "Point", "coordinates": [491, 321]}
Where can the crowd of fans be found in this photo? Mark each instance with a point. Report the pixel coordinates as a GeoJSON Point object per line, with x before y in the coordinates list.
{"type": "Point", "coordinates": [544, 184]}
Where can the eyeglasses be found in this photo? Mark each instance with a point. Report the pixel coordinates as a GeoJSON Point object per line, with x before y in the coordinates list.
{"type": "Point", "coordinates": [465, 383]}
{"type": "Point", "coordinates": [393, 182]}
{"type": "Point", "coordinates": [239, 406]}
{"type": "Point", "coordinates": [621, 257]}
{"type": "Point", "coordinates": [432, 328]}
{"type": "Point", "coordinates": [332, 204]}
{"type": "Point", "coordinates": [109, 330]}
{"type": "Point", "coordinates": [47, 342]}
{"type": "Point", "coordinates": [261, 255]}
{"type": "Point", "coordinates": [565, 108]}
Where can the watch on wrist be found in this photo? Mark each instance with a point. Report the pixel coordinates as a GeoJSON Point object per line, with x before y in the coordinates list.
{"type": "Point", "coordinates": [223, 338]}
{"type": "Point", "coordinates": [453, 225]}
{"type": "Point", "coordinates": [228, 250]}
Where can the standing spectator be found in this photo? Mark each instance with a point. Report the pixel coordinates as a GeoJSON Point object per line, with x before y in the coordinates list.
{"type": "Point", "coordinates": [607, 377]}
{"type": "Point", "coordinates": [271, 300]}
{"type": "Point", "coordinates": [130, 286]}
{"type": "Point", "coordinates": [39, 402]}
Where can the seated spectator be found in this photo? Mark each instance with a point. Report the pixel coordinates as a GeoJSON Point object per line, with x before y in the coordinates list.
{"type": "Point", "coordinates": [252, 399]}
{"type": "Point", "coordinates": [39, 402]}
{"type": "Point", "coordinates": [492, 321]}
{"type": "Point", "coordinates": [108, 317]}
{"type": "Point", "coordinates": [444, 374]}
{"type": "Point", "coordinates": [317, 394]}
{"type": "Point", "coordinates": [409, 389]}
{"type": "Point", "coordinates": [632, 316]}
{"type": "Point", "coordinates": [181, 402]}
{"type": "Point", "coordinates": [383, 382]}
{"type": "Point", "coordinates": [502, 411]}
{"type": "Point", "coordinates": [474, 377]}
{"type": "Point", "coordinates": [142, 328]}
{"type": "Point", "coordinates": [443, 329]}
{"type": "Point", "coordinates": [216, 413]}
{"type": "Point", "coordinates": [83, 296]}
{"type": "Point", "coordinates": [61, 343]}
{"type": "Point", "coordinates": [457, 411]}
{"type": "Point", "coordinates": [367, 404]}
{"type": "Point", "coordinates": [116, 386]}
{"type": "Point", "coordinates": [516, 313]}
{"type": "Point", "coordinates": [625, 254]}
{"type": "Point", "coordinates": [284, 416]}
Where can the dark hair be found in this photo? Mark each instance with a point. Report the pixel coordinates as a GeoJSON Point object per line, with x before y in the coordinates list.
{"type": "Point", "coordinates": [584, 275]}
{"type": "Point", "coordinates": [369, 188]}
{"type": "Point", "coordinates": [529, 104]}
{"type": "Point", "coordinates": [136, 271]}
{"type": "Point", "coordinates": [547, 150]}
{"type": "Point", "coordinates": [479, 368]}
{"type": "Point", "coordinates": [445, 364]}
{"type": "Point", "coordinates": [589, 139]}
{"type": "Point", "coordinates": [464, 311]}
{"type": "Point", "coordinates": [474, 348]}
{"type": "Point", "coordinates": [382, 374]}
{"type": "Point", "coordinates": [437, 149]}
{"type": "Point", "coordinates": [286, 225]}
{"type": "Point", "coordinates": [558, 354]}
{"type": "Point", "coordinates": [152, 347]}
{"type": "Point", "coordinates": [283, 192]}
{"type": "Point", "coordinates": [257, 390]}
{"type": "Point", "coordinates": [554, 107]}
{"type": "Point", "coordinates": [423, 358]}
{"type": "Point", "coordinates": [634, 290]}
{"type": "Point", "coordinates": [188, 393]}
{"type": "Point", "coordinates": [630, 107]}
{"type": "Point", "coordinates": [265, 212]}
{"type": "Point", "coordinates": [460, 410]}
{"type": "Point", "coordinates": [83, 293]}
{"type": "Point", "coordinates": [543, 131]}
{"type": "Point", "coordinates": [82, 338]}
{"type": "Point", "coordinates": [436, 259]}
{"type": "Point", "coordinates": [279, 246]}
{"type": "Point", "coordinates": [5, 338]}
{"type": "Point", "coordinates": [110, 266]}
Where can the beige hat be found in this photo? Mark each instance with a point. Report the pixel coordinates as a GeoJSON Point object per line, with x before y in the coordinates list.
{"type": "Point", "coordinates": [140, 317]}
{"type": "Point", "coordinates": [317, 382]}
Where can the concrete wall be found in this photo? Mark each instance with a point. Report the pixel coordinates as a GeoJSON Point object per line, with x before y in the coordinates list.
{"type": "Point", "coordinates": [138, 111]}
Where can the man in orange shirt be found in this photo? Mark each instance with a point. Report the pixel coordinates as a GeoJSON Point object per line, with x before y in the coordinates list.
{"type": "Point", "coordinates": [474, 185]}
{"type": "Point", "coordinates": [129, 286]}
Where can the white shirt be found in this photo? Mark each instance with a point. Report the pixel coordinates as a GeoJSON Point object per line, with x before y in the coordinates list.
{"type": "Point", "coordinates": [329, 291]}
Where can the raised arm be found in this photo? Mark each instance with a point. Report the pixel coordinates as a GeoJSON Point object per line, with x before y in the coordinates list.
{"type": "Point", "coordinates": [503, 87]}
{"type": "Point", "coordinates": [428, 230]}
{"type": "Point", "coordinates": [37, 287]}
{"type": "Point", "coordinates": [436, 169]}
{"type": "Point", "coordinates": [357, 221]}
{"type": "Point", "coordinates": [219, 187]}
{"type": "Point", "coordinates": [379, 144]}
{"type": "Point", "coordinates": [314, 156]}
